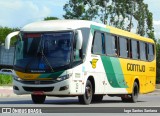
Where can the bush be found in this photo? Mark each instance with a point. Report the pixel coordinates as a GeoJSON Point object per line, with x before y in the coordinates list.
{"type": "Point", "coordinates": [5, 79]}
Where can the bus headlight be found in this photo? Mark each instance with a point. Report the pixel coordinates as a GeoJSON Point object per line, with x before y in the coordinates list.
{"type": "Point", "coordinates": [17, 78]}
{"type": "Point", "coordinates": [64, 77]}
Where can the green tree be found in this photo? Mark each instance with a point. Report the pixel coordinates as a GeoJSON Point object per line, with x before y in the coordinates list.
{"type": "Point", "coordinates": [51, 18]}
{"type": "Point", "coordinates": [133, 11]}
{"type": "Point", "coordinates": [144, 20]}
{"type": "Point", "coordinates": [81, 9]}
{"type": "Point", "coordinates": [114, 12]}
{"type": "Point", "coordinates": [158, 61]}
{"type": "Point", "coordinates": [150, 29]}
{"type": "Point", "coordinates": [4, 31]}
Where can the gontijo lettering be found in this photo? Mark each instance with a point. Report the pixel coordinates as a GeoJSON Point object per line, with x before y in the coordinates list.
{"type": "Point", "coordinates": [135, 67]}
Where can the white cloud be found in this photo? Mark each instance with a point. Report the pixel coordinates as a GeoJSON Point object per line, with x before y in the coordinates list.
{"type": "Point", "coordinates": [17, 13]}
{"type": "Point", "coordinates": [11, 4]}
{"type": "Point", "coordinates": [156, 22]}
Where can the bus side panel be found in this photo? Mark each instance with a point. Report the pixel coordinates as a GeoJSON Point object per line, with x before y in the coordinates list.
{"type": "Point", "coordinates": [142, 82]}
{"type": "Point", "coordinates": [150, 77]}
{"type": "Point", "coordinates": [94, 68]}
{"type": "Point", "coordinates": [141, 70]}
{"type": "Point", "coordinates": [150, 84]}
{"type": "Point", "coordinates": [129, 74]}
{"type": "Point", "coordinates": [115, 81]}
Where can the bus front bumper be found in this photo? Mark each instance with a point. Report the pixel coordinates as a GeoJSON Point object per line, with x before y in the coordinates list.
{"type": "Point", "coordinates": [59, 88]}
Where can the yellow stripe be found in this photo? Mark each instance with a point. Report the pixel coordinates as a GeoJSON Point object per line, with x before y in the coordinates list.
{"type": "Point", "coordinates": [27, 76]}
{"type": "Point", "coordinates": [128, 34]}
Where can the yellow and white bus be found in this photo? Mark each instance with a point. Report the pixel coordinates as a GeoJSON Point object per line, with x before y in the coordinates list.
{"type": "Point", "coordinates": [81, 58]}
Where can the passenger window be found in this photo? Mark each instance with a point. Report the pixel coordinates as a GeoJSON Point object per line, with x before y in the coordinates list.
{"type": "Point", "coordinates": [138, 50]}
{"type": "Point", "coordinates": [123, 47]}
{"type": "Point", "coordinates": [111, 45]}
{"type": "Point", "coordinates": [129, 48]}
{"type": "Point", "coordinates": [108, 47]}
{"type": "Point", "coordinates": [147, 50]}
{"type": "Point", "coordinates": [116, 39]}
{"type": "Point", "coordinates": [151, 52]}
{"type": "Point", "coordinates": [135, 49]}
{"type": "Point", "coordinates": [142, 51]}
{"type": "Point", "coordinates": [103, 43]}
{"type": "Point", "coordinates": [98, 45]}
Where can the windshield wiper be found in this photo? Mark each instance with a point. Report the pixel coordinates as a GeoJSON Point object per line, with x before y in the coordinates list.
{"type": "Point", "coordinates": [41, 53]}
{"type": "Point", "coordinates": [46, 60]}
{"type": "Point", "coordinates": [41, 50]}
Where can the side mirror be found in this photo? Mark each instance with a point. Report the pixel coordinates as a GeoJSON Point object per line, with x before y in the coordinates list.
{"type": "Point", "coordinates": [8, 39]}
{"type": "Point", "coordinates": [79, 40]}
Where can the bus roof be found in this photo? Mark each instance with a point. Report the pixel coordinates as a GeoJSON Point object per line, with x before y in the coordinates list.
{"type": "Point", "coordinates": [59, 25]}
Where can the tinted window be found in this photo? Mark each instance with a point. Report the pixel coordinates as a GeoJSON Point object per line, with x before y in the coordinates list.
{"type": "Point", "coordinates": [123, 47]}
{"type": "Point", "coordinates": [147, 50]}
{"type": "Point", "coordinates": [129, 47]}
{"type": "Point", "coordinates": [111, 45]}
{"type": "Point", "coordinates": [151, 52]}
{"type": "Point", "coordinates": [116, 45]}
{"type": "Point", "coordinates": [142, 51]}
{"type": "Point", "coordinates": [135, 49]}
{"type": "Point", "coordinates": [98, 45]}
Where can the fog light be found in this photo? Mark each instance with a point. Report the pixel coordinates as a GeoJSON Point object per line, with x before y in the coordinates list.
{"type": "Point", "coordinates": [64, 88]}
{"type": "Point", "coordinates": [15, 88]}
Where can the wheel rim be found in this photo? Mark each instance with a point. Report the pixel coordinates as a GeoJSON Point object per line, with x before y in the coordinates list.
{"type": "Point", "coordinates": [88, 92]}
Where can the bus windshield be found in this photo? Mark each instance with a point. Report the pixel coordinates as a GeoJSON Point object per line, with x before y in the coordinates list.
{"type": "Point", "coordinates": [40, 52]}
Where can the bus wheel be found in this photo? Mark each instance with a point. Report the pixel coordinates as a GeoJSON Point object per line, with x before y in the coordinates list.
{"type": "Point", "coordinates": [132, 97]}
{"type": "Point", "coordinates": [97, 98]}
{"type": "Point", "coordinates": [38, 99]}
{"type": "Point", "coordinates": [135, 93]}
{"type": "Point", "coordinates": [87, 97]}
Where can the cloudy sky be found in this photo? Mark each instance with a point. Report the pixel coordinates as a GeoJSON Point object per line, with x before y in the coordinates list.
{"type": "Point", "coordinates": [17, 13]}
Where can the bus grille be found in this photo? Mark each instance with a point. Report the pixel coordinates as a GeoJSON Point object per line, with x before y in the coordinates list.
{"type": "Point", "coordinates": [38, 82]}
{"type": "Point", "coordinates": [45, 89]}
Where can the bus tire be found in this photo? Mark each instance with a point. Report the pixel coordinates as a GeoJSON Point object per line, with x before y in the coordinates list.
{"type": "Point", "coordinates": [38, 99]}
{"type": "Point", "coordinates": [134, 96]}
{"type": "Point", "coordinates": [97, 98]}
{"type": "Point", "coordinates": [135, 93]}
{"type": "Point", "coordinates": [87, 97]}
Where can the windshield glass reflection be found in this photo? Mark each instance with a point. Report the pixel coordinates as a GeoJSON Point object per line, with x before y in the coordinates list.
{"type": "Point", "coordinates": [44, 51]}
